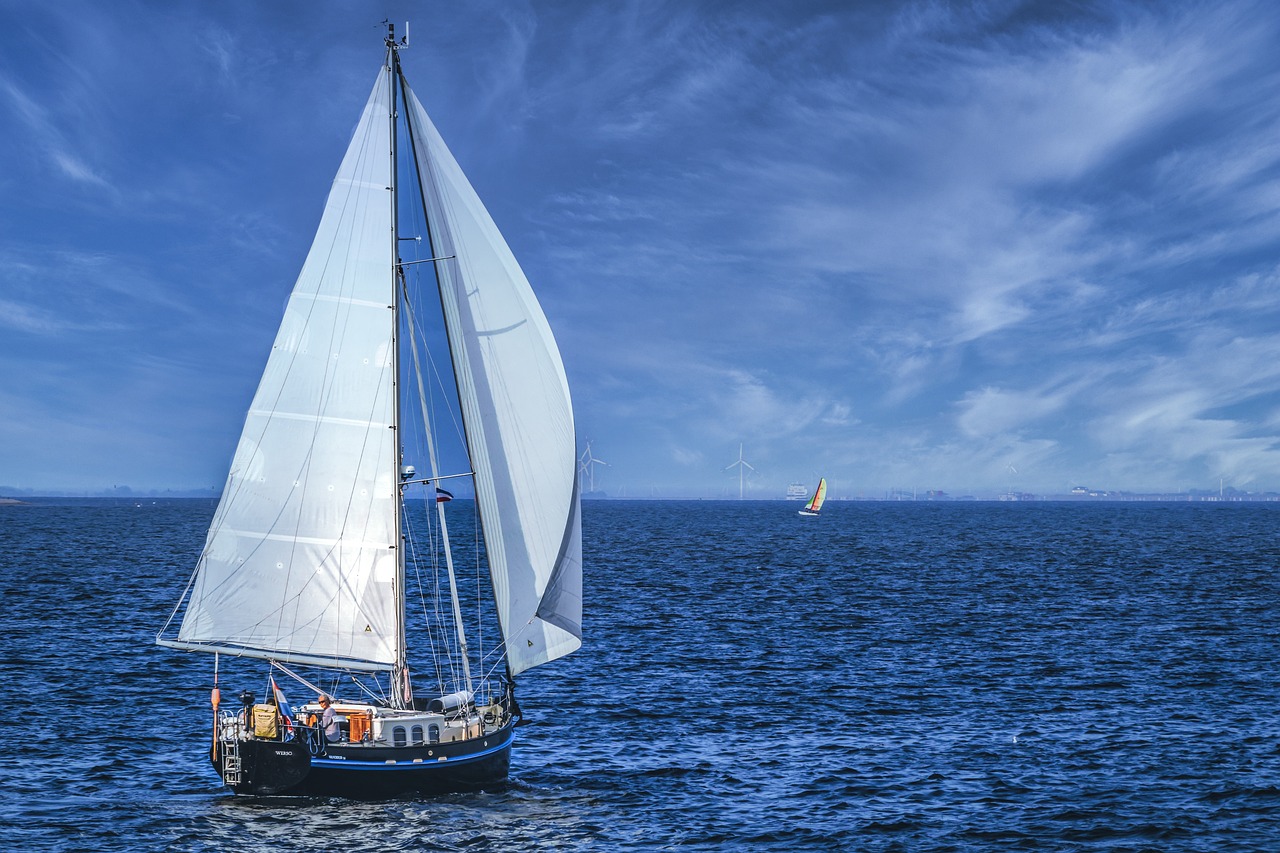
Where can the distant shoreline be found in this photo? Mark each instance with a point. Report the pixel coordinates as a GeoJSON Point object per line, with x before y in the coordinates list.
{"type": "Point", "coordinates": [1230, 500]}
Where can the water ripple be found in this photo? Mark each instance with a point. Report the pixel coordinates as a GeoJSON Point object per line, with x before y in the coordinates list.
{"type": "Point", "coordinates": [888, 677]}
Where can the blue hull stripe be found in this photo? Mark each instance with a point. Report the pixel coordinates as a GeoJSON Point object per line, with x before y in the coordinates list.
{"type": "Point", "coordinates": [408, 764]}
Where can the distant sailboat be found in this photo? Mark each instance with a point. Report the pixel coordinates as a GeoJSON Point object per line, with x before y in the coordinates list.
{"type": "Point", "coordinates": [314, 543]}
{"type": "Point", "coordinates": [814, 506]}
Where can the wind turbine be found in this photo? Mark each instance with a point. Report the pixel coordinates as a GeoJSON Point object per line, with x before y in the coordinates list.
{"type": "Point", "coordinates": [742, 466]}
{"type": "Point", "coordinates": [586, 463]}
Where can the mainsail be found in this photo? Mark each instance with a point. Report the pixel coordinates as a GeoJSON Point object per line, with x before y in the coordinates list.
{"type": "Point", "coordinates": [516, 412]}
{"type": "Point", "coordinates": [299, 564]}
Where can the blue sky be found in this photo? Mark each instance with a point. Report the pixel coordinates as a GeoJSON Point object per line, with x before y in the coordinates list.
{"type": "Point", "coordinates": [960, 246]}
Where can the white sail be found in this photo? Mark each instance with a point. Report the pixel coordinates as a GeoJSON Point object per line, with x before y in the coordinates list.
{"type": "Point", "coordinates": [299, 564]}
{"type": "Point", "coordinates": [516, 413]}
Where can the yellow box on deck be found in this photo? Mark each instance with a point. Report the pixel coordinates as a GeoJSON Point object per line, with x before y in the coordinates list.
{"type": "Point", "coordinates": [264, 721]}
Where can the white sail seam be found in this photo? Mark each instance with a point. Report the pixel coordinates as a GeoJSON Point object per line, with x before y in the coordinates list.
{"type": "Point", "coordinates": [322, 419]}
{"type": "Point", "coordinates": [308, 540]}
{"type": "Point", "coordinates": [364, 185]}
{"type": "Point", "coordinates": [341, 300]}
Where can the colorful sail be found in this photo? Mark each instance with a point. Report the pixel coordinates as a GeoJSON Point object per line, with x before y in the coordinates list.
{"type": "Point", "coordinates": [814, 506]}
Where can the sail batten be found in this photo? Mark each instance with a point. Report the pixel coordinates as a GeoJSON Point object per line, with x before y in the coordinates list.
{"type": "Point", "coordinates": [268, 536]}
{"type": "Point", "coordinates": [341, 300]}
{"type": "Point", "coordinates": [312, 417]}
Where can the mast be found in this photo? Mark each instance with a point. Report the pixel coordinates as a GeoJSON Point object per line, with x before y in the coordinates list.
{"type": "Point", "coordinates": [463, 651]}
{"type": "Point", "coordinates": [401, 689]}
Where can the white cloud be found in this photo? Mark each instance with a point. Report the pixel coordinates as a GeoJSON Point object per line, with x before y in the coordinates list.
{"type": "Point", "coordinates": [74, 168]}
{"type": "Point", "coordinates": [27, 318]}
{"type": "Point", "coordinates": [46, 137]}
{"type": "Point", "coordinates": [992, 411]}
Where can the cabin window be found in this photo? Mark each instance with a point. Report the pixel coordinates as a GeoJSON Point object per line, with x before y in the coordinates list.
{"type": "Point", "coordinates": [397, 736]}
{"type": "Point", "coordinates": [434, 731]}
{"type": "Point", "coordinates": [415, 734]}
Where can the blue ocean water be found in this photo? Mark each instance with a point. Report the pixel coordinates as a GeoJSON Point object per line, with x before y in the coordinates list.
{"type": "Point", "coordinates": [888, 677]}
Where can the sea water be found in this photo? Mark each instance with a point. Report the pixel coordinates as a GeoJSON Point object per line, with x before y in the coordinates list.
{"type": "Point", "coordinates": [889, 676]}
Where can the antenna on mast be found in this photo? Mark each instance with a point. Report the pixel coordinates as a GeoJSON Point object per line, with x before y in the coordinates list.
{"type": "Point", "coordinates": [391, 35]}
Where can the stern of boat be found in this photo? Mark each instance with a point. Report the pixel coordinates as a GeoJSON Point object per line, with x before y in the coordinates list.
{"type": "Point", "coordinates": [252, 764]}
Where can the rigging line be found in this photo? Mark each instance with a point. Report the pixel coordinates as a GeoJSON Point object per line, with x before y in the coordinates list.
{"type": "Point", "coordinates": [489, 675]}
{"type": "Point", "coordinates": [441, 642]}
{"type": "Point", "coordinates": [435, 628]}
{"type": "Point", "coordinates": [435, 471]}
{"type": "Point", "coordinates": [496, 655]}
{"type": "Point", "coordinates": [182, 598]}
{"type": "Point", "coordinates": [379, 695]}
{"type": "Point", "coordinates": [411, 538]}
{"type": "Point", "coordinates": [440, 238]}
{"type": "Point", "coordinates": [478, 584]}
{"type": "Point", "coordinates": [425, 261]}
{"type": "Point", "coordinates": [444, 653]}
{"type": "Point", "coordinates": [424, 480]}
{"type": "Point", "coordinates": [435, 372]}
{"type": "Point", "coordinates": [298, 678]}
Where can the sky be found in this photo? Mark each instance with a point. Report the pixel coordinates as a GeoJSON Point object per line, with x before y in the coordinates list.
{"type": "Point", "coordinates": [966, 246]}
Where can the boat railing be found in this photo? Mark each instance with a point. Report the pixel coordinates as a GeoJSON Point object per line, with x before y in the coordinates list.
{"type": "Point", "coordinates": [357, 728]}
{"type": "Point", "coordinates": [237, 725]}
{"type": "Point", "coordinates": [230, 725]}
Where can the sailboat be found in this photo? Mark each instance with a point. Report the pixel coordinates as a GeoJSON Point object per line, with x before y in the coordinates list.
{"type": "Point", "coordinates": [325, 524]}
{"type": "Point", "coordinates": [814, 506]}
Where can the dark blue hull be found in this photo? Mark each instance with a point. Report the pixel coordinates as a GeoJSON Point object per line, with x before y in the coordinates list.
{"type": "Point", "coordinates": [358, 771]}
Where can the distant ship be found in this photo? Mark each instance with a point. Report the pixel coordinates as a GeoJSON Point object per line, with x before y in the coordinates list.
{"type": "Point", "coordinates": [797, 492]}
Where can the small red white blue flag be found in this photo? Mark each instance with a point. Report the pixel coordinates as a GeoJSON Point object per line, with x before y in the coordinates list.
{"type": "Point", "coordinates": [281, 702]}
{"type": "Point", "coordinates": [442, 495]}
